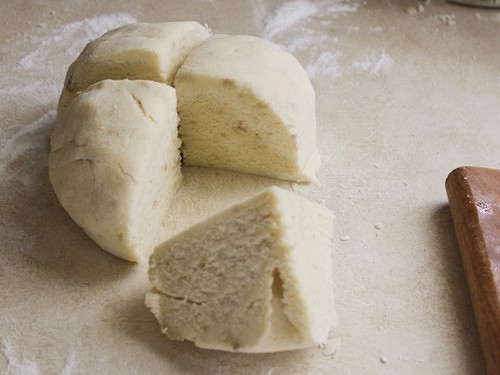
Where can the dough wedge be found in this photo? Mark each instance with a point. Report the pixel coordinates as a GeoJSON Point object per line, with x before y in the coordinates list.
{"type": "Point", "coordinates": [115, 163]}
{"type": "Point", "coordinates": [256, 277]}
{"type": "Point", "coordinates": [248, 106]}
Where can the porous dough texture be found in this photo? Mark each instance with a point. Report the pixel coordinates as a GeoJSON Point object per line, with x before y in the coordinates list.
{"type": "Point", "coordinates": [248, 106]}
{"type": "Point", "coordinates": [256, 277]}
{"type": "Point", "coordinates": [115, 163]}
{"type": "Point", "coordinates": [144, 51]}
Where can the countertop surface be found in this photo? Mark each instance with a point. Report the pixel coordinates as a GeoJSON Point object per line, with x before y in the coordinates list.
{"type": "Point", "coordinates": [405, 93]}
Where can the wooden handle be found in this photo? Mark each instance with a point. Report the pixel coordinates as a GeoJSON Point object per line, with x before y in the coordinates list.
{"type": "Point", "coordinates": [474, 196]}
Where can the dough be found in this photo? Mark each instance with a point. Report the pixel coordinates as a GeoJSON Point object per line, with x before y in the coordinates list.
{"type": "Point", "coordinates": [247, 106]}
{"type": "Point", "coordinates": [149, 51]}
{"type": "Point", "coordinates": [244, 104]}
{"type": "Point", "coordinates": [254, 278]}
{"type": "Point", "coordinates": [115, 163]}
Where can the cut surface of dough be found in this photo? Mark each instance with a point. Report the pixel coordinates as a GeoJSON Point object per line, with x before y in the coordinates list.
{"type": "Point", "coordinates": [256, 277]}
{"type": "Point", "coordinates": [248, 106]}
{"type": "Point", "coordinates": [115, 163]}
{"type": "Point", "coordinates": [144, 51]}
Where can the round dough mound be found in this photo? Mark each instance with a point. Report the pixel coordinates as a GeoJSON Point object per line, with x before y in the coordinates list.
{"type": "Point", "coordinates": [115, 163]}
{"type": "Point", "coordinates": [248, 106]}
{"type": "Point", "coordinates": [245, 105]}
{"type": "Point", "coordinates": [149, 51]}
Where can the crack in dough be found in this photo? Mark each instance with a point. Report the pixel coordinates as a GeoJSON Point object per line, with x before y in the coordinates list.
{"type": "Point", "coordinates": [142, 109]}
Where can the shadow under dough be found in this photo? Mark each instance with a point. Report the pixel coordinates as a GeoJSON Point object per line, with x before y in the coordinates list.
{"type": "Point", "coordinates": [39, 234]}
{"type": "Point", "coordinates": [139, 323]}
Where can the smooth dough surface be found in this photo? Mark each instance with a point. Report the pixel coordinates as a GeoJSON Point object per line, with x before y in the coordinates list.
{"type": "Point", "coordinates": [115, 163]}
{"type": "Point", "coordinates": [144, 51]}
{"type": "Point", "coordinates": [248, 106]}
{"type": "Point", "coordinates": [257, 277]}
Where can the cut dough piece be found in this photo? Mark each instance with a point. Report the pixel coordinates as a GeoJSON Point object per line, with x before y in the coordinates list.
{"type": "Point", "coordinates": [115, 163]}
{"type": "Point", "coordinates": [149, 51]}
{"type": "Point", "coordinates": [254, 278]}
{"type": "Point", "coordinates": [247, 106]}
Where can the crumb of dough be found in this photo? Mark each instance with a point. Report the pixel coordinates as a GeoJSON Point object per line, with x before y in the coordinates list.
{"type": "Point", "coordinates": [243, 279]}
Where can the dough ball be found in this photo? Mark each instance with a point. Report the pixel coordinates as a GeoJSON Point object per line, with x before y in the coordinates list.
{"type": "Point", "coordinates": [149, 51]}
{"type": "Point", "coordinates": [115, 163]}
{"type": "Point", "coordinates": [248, 106]}
{"type": "Point", "coordinates": [254, 278]}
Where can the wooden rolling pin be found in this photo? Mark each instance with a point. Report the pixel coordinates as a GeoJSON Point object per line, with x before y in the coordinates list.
{"type": "Point", "coordinates": [474, 196]}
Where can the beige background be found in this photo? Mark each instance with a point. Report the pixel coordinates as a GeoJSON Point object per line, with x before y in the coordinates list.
{"type": "Point", "coordinates": [403, 97]}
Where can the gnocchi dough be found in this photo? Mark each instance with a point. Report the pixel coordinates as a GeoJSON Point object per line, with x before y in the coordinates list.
{"type": "Point", "coordinates": [115, 163]}
{"type": "Point", "coordinates": [244, 105]}
{"type": "Point", "coordinates": [149, 51]}
{"type": "Point", "coordinates": [254, 278]}
{"type": "Point", "coordinates": [248, 106]}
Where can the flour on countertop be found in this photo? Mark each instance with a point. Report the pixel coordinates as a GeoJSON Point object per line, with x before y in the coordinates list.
{"type": "Point", "coordinates": [374, 64]}
{"type": "Point", "coordinates": [73, 37]}
{"type": "Point", "coordinates": [39, 91]}
{"type": "Point", "coordinates": [288, 15]}
{"type": "Point", "coordinates": [297, 15]}
{"type": "Point", "coordinates": [267, 370]}
{"type": "Point", "coordinates": [28, 137]}
{"type": "Point", "coordinates": [66, 42]}
{"type": "Point", "coordinates": [306, 27]}
{"type": "Point", "coordinates": [68, 364]}
{"type": "Point", "coordinates": [448, 19]}
{"type": "Point", "coordinates": [326, 63]}
{"type": "Point", "coordinates": [330, 348]}
{"type": "Point", "coordinates": [17, 364]}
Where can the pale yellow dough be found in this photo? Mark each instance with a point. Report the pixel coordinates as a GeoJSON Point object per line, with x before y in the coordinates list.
{"type": "Point", "coordinates": [254, 278]}
{"type": "Point", "coordinates": [115, 163]}
{"type": "Point", "coordinates": [248, 106]}
{"type": "Point", "coordinates": [244, 105]}
{"type": "Point", "coordinates": [149, 51]}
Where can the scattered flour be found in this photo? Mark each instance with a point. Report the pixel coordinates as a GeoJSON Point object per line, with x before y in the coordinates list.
{"type": "Point", "coordinates": [330, 348]}
{"type": "Point", "coordinates": [327, 64]}
{"type": "Point", "coordinates": [22, 82]}
{"type": "Point", "coordinates": [303, 42]}
{"type": "Point", "coordinates": [68, 364]}
{"type": "Point", "coordinates": [16, 364]}
{"type": "Point", "coordinates": [37, 92]}
{"type": "Point", "coordinates": [417, 8]}
{"type": "Point", "coordinates": [267, 370]}
{"type": "Point", "coordinates": [338, 7]}
{"type": "Point", "coordinates": [374, 64]}
{"type": "Point", "coordinates": [304, 27]}
{"type": "Point", "coordinates": [28, 137]}
{"type": "Point", "coordinates": [72, 38]}
{"type": "Point", "coordinates": [288, 15]}
{"type": "Point", "coordinates": [448, 19]}
{"type": "Point", "coordinates": [298, 16]}
{"type": "Point", "coordinates": [307, 27]}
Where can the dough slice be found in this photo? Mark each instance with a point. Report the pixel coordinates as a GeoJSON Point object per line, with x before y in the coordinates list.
{"type": "Point", "coordinates": [149, 51]}
{"type": "Point", "coordinates": [247, 106]}
{"type": "Point", "coordinates": [254, 278]}
{"type": "Point", "coordinates": [115, 163]}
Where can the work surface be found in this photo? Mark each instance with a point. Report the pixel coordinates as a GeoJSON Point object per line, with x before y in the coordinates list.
{"type": "Point", "coordinates": [404, 95]}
